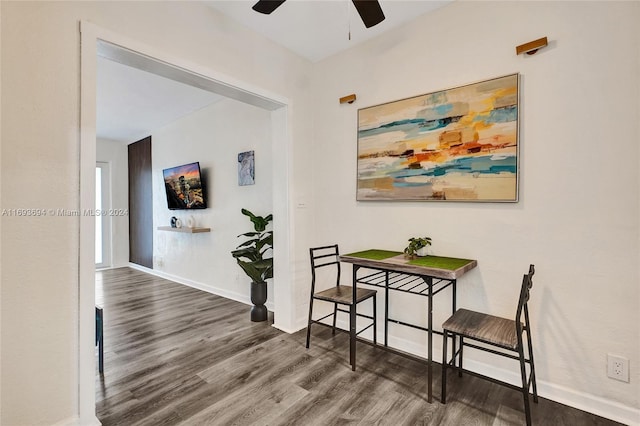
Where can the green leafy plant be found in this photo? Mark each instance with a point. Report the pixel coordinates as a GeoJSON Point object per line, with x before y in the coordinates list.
{"type": "Point", "coordinates": [250, 254]}
{"type": "Point", "coordinates": [415, 244]}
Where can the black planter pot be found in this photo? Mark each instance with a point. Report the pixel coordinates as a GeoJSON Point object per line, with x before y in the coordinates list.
{"type": "Point", "coordinates": [258, 298]}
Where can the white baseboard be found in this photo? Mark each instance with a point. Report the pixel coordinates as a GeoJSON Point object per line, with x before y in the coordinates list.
{"type": "Point", "coordinates": [140, 267]}
{"type": "Point", "coordinates": [75, 421]}
{"type": "Point", "coordinates": [71, 421]}
{"type": "Point", "coordinates": [590, 403]}
{"type": "Point", "coordinates": [201, 286]}
{"type": "Point", "coordinates": [583, 401]}
{"type": "Point", "coordinates": [285, 329]}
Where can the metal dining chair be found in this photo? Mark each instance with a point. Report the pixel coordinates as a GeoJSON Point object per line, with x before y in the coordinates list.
{"type": "Point", "coordinates": [502, 333]}
{"type": "Point", "coordinates": [329, 256]}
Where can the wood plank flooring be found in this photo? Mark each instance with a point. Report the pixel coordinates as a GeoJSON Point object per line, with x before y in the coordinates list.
{"type": "Point", "coordinates": [179, 356]}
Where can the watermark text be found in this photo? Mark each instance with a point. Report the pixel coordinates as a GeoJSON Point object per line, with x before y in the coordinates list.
{"type": "Point", "coordinates": [31, 212]}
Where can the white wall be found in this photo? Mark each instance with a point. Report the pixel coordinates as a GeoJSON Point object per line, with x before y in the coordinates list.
{"type": "Point", "coordinates": [40, 152]}
{"type": "Point", "coordinates": [212, 136]}
{"type": "Point", "coordinates": [577, 219]}
{"type": "Point", "coordinates": [116, 154]}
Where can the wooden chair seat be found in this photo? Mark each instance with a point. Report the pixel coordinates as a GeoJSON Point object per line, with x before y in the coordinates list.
{"type": "Point", "coordinates": [483, 327]}
{"type": "Point", "coordinates": [343, 294]}
{"type": "Point", "coordinates": [329, 257]}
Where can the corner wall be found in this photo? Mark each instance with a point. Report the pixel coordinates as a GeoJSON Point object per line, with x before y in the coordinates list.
{"type": "Point", "coordinates": [213, 136]}
{"type": "Point", "coordinates": [578, 217]}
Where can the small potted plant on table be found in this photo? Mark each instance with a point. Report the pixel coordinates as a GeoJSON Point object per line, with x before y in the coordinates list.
{"type": "Point", "coordinates": [417, 247]}
{"type": "Point", "coordinates": [251, 258]}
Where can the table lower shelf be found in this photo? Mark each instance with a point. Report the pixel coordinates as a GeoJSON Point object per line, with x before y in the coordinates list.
{"type": "Point", "coordinates": [413, 284]}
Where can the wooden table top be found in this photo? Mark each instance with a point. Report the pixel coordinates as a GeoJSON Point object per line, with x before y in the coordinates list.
{"type": "Point", "coordinates": [432, 266]}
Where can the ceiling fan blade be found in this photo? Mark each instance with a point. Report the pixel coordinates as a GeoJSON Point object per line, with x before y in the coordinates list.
{"type": "Point", "coordinates": [370, 12]}
{"type": "Point", "coordinates": [267, 6]}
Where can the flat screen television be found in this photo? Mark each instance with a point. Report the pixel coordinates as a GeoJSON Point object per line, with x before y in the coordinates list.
{"type": "Point", "coordinates": [184, 187]}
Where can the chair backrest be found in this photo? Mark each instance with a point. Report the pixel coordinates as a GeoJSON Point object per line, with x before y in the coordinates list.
{"type": "Point", "coordinates": [527, 283]}
{"type": "Point", "coordinates": [321, 257]}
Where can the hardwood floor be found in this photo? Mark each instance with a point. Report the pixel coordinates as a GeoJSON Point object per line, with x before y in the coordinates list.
{"type": "Point", "coordinates": [179, 356]}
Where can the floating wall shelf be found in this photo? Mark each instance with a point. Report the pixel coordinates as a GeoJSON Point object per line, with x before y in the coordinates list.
{"type": "Point", "coordinates": [185, 230]}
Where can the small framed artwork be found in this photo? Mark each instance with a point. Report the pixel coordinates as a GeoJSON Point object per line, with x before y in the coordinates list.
{"type": "Point", "coordinates": [246, 168]}
{"type": "Point", "coordinates": [457, 144]}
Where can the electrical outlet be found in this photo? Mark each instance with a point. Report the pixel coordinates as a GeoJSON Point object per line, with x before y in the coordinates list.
{"type": "Point", "coordinates": [618, 368]}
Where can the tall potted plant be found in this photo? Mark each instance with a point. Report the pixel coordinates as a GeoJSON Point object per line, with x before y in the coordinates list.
{"type": "Point", "coordinates": [250, 255]}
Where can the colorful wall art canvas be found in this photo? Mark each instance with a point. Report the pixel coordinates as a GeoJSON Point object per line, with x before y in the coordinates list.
{"type": "Point", "coordinates": [246, 169]}
{"type": "Point", "coordinates": [458, 144]}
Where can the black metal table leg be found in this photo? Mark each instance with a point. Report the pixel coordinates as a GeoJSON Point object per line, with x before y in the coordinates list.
{"type": "Point", "coordinates": [101, 354]}
{"type": "Point", "coordinates": [445, 361]}
{"type": "Point", "coordinates": [386, 308]}
{"type": "Point", "coordinates": [429, 281]}
{"type": "Point", "coordinates": [453, 311]}
{"type": "Point", "coordinates": [352, 323]}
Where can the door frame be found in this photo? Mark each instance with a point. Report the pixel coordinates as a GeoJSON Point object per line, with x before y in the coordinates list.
{"type": "Point", "coordinates": [107, 237]}
{"type": "Point", "coordinates": [95, 40]}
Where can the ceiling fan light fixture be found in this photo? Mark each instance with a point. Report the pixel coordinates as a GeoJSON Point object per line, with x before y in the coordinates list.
{"type": "Point", "coordinates": [267, 6]}
{"type": "Point", "coordinates": [369, 10]}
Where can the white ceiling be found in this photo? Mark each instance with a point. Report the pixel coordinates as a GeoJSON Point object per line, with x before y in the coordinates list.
{"type": "Point", "coordinates": [132, 103]}
{"type": "Point", "coordinates": [316, 29]}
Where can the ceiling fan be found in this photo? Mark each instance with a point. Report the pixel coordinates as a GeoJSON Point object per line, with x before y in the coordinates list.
{"type": "Point", "coordinates": [369, 10]}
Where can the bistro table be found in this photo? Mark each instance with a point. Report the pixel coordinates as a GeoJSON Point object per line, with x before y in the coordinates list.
{"type": "Point", "coordinates": [423, 276]}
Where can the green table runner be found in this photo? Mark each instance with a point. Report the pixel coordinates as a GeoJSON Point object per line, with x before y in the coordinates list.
{"type": "Point", "coordinates": [374, 254]}
{"type": "Point", "coordinates": [450, 263]}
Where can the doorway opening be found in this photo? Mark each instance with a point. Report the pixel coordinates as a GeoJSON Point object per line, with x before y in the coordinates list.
{"type": "Point", "coordinates": [99, 42]}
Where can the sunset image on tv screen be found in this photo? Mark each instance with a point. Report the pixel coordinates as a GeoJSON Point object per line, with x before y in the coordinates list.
{"type": "Point", "coordinates": [183, 185]}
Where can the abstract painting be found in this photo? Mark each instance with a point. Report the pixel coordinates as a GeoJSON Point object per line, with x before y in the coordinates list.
{"type": "Point", "coordinates": [246, 169]}
{"type": "Point", "coordinates": [457, 144]}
